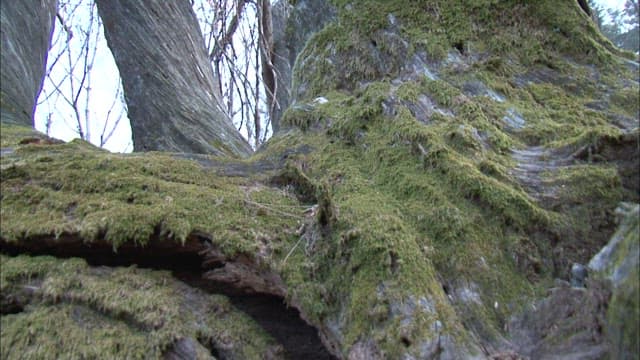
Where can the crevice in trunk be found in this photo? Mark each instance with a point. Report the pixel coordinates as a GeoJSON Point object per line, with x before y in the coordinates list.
{"type": "Point", "coordinates": [299, 339]}
{"type": "Point", "coordinates": [284, 323]}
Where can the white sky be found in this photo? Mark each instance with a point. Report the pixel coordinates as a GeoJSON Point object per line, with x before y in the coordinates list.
{"type": "Point", "coordinates": [618, 4]}
{"type": "Point", "coordinates": [104, 85]}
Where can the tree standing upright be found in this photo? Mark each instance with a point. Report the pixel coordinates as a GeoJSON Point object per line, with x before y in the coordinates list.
{"type": "Point", "coordinates": [26, 36]}
{"type": "Point", "coordinates": [168, 82]}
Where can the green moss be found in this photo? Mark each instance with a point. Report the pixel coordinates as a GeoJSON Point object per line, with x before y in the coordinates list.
{"type": "Point", "coordinates": [404, 205]}
{"type": "Point", "coordinates": [72, 188]}
{"type": "Point", "coordinates": [443, 93]}
{"type": "Point", "coordinates": [588, 183]}
{"type": "Point", "coordinates": [13, 134]}
{"type": "Point", "coordinates": [585, 195]}
{"type": "Point", "coordinates": [50, 332]}
{"type": "Point", "coordinates": [623, 312]}
{"type": "Point", "coordinates": [627, 100]}
{"type": "Point", "coordinates": [408, 91]}
{"type": "Point", "coordinates": [555, 116]}
{"type": "Point", "coordinates": [358, 47]}
{"type": "Point", "coordinates": [75, 310]}
{"type": "Point", "coordinates": [300, 118]}
{"type": "Point", "coordinates": [451, 194]}
{"type": "Point", "coordinates": [409, 196]}
{"type": "Point", "coordinates": [623, 317]}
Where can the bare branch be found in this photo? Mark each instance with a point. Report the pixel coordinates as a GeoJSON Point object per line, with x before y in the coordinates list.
{"type": "Point", "coordinates": [227, 38]}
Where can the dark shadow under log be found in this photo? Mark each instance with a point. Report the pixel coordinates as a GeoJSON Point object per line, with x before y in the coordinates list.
{"type": "Point", "coordinates": [299, 339]}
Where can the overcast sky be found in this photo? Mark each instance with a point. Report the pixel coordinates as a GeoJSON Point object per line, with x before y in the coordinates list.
{"type": "Point", "coordinates": [104, 85]}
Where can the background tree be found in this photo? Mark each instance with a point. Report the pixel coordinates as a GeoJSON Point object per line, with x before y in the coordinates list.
{"type": "Point", "coordinates": [630, 38]}
{"type": "Point", "coordinates": [622, 27]}
{"type": "Point", "coordinates": [79, 38]}
{"type": "Point", "coordinates": [168, 82]}
{"type": "Point", "coordinates": [26, 35]}
{"type": "Point", "coordinates": [233, 37]}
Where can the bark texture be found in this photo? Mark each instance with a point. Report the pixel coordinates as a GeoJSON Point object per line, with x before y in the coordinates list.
{"type": "Point", "coordinates": [433, 182]}
{"type": "Point", "coordinates": [26, 34]}
{"type": "Point", "coordinates": [167, 79]}
{"type": "Point", "coordinates": [293, 25]}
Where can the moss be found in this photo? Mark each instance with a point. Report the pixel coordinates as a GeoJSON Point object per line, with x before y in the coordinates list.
{"type": "Point", "coordinates": [408, 91]}
{"type": "Point", "coordinates": [627, 100]}
{"type": "Point", "coordinates": [586, 196]}
{"type": "Point", "coordinates": [397, 213]}
{"type": "Point", "coordinates": [444, 93]}
{"type": "Point", "coordinates": [13, 134]}
{"type": "Point", "coordinates": [300, 118]}
{"type": "Point", "coordinates": [555, 115]}
{"type": "Point", "coordinates": [73, 188]}
{"type": "Point", "coordinates": [623, 317]}
{"type": "Point", "coordinates": [452, 190]}
{"type": "Point", "coordinates": [56, 334]}
{"type": "Point", "coordinates": [586, 184]}
{"type": "Point", "coordinates": [75, 310]}
{"type": "Point", "coordinates": [411, 204]}
{"type": "Point", "coordinates": [324, 74]}
{"type": "Point", "coordinates": [341, 56]}
{"type": "Point", "coordinates": [623, 313]}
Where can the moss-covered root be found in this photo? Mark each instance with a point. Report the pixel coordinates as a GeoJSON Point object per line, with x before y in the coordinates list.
{"type": "Point", "coordinates": [53, 308]}
{"type": "Point", "coordinates": [619, 262]}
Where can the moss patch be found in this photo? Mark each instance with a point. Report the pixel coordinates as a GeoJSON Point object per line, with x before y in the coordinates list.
{"type": "Point", "coordinates": [74, 188]}
{"type": "Point", "coordinates": [71, 309]}
{"type": "Point", "coordinates": [411, 209]}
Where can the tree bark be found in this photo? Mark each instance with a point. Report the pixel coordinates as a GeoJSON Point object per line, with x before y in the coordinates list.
{"type": "Point", "coordinates": [26, 33]}
{"type": "Point", "coordinates": [292, 26]}
{"type": "Point", "coordinates": [444, 181]}
{"type": "Point", "coordinates": [585, 6]}
{"type": "Point", "coordinates": [168, 82]}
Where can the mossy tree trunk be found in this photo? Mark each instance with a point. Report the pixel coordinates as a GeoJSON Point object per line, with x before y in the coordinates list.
{"type": "Point", "coordinates": [444, 163]}
{"type": "Point", "coordinates": [26, 35]}
{"type": "Point", "coordinates": [293, 25]}
{"type": "Point", "coordinates": [168, 81]}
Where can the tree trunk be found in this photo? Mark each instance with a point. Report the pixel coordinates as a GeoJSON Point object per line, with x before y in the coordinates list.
{"type": "Point", "coordinates": [168, 81]}
{"type": "Point", "coordinates": [292, 26]}
{"type": "Point", "coordinates": [26, 35]}
{"type": "Point", "coordinates": [444, 164]}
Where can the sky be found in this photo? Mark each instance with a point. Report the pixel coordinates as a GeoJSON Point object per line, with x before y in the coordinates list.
{"type": "Point", "coordinates": [618, 4]}
{"type": "Point", "coordinates": [105, 82]}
